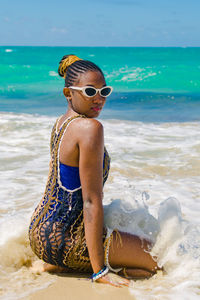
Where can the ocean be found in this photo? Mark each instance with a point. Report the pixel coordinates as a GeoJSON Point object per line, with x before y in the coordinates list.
{"type": "Point", "coordinates": [152, 133]}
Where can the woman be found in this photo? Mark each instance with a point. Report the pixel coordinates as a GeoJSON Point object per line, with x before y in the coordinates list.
{"type": "Point", "coordinates": [66, 229]}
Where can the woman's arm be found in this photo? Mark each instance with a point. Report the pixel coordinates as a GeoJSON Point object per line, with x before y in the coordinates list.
{"type": "Point", "coordinates": [91, 151]}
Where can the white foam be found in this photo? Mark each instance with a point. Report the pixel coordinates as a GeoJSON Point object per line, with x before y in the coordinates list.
{"type": "Point", "coordinates": [177, 245]}
{"type": "Point", "coordinates": [53, 73]}
{"type": "Point", "coordinates": [127, 74]}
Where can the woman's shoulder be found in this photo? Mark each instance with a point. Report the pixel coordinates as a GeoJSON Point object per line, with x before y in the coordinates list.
{"type": "Point", "coordinates": [88, 130]}
{"type": "Point", "coordinates": [82, 123]}
{"type": "Point", "coordinates": [87, 125]}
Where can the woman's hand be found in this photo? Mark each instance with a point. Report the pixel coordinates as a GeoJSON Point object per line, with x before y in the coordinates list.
{"type": "Point", "coordinates": [114, 280]}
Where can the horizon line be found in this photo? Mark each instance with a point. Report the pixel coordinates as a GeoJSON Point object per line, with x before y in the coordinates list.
{"type": "Point", "coordinates": [99, 46]}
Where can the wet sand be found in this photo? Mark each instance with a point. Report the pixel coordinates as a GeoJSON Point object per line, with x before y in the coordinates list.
{"type": "Point", "coordinates": [80, 287]}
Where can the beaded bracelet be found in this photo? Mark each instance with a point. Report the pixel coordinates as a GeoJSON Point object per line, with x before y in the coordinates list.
{"type": "Point", "coordinates": [100, 274]}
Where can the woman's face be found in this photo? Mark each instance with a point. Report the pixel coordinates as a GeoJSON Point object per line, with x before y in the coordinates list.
{"type": "Point", "coordinates": [88, 106]}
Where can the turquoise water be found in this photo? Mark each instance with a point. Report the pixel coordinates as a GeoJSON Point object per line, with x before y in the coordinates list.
{"type": "Point", "coordinates": [150, 84]}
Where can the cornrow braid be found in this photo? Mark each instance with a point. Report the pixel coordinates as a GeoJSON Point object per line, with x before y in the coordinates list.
{"type": "Point", "coordinates": [71, 66]}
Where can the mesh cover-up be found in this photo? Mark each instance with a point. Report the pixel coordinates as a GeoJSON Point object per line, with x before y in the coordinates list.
{"type": "Point", "coordinates": [56, 231]}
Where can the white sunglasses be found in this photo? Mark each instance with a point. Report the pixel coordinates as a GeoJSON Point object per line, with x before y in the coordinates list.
{"type": "Point", "coordinates": [90, 91]}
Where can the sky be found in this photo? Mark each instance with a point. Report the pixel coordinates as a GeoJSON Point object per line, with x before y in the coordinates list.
{"type": "Point", "coordinates": [118, 23]}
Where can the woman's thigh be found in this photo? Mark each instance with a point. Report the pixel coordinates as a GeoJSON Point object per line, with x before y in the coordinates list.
{"type": "Point", "coordinates": [127, 250]}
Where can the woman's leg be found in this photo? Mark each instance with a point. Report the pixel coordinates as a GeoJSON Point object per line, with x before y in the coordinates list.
{"type": "Point", "coordinates": [130, 252]}
{"type": "Point", "coordinates": [135, 273]}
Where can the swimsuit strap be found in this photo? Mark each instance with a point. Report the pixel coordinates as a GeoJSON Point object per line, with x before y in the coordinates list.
{"type": "Point", "coordinates": [68, 120]}
{"type": "Point", "coordinates": [62, 130]}
{"type": "Point", "coordinates": [61, 133]}
{"type": "Point", "coordinates": [56, 133]}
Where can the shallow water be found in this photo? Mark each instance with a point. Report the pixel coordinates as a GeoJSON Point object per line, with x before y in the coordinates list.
{"type": "Point", "coordinates": [153, 190]}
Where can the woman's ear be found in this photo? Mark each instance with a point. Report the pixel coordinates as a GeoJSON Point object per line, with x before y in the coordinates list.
{"type": "Point", "coordinates": [67, 92]}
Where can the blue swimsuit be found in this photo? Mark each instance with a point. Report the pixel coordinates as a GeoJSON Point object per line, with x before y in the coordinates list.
{"type": "Point", "coordinates": [69, 177]}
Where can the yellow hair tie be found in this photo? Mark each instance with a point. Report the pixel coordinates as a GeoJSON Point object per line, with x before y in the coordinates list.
{"type": "Point", "coordinates": [65, 63]}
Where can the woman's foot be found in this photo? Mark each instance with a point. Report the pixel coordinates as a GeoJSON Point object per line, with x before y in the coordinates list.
{"type": "Point", "coordinates": [39, 267]}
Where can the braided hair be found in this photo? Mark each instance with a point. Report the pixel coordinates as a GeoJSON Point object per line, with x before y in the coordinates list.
{"type": "Point", "coordinates": [71, 66]}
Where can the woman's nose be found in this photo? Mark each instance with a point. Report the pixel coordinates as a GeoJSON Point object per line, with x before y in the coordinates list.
{"type": "Point", "coordinates": [98, 98]}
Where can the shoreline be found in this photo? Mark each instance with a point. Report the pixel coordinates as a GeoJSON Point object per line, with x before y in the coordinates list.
{"type": "Point", "coordinates": [74, 287]}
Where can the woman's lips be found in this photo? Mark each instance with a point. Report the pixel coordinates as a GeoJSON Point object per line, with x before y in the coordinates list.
{"type": "Point", "coordinates": [96, 108]}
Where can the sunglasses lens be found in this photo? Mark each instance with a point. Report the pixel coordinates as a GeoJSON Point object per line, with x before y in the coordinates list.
{"type": "Point", "coordinates": [106, 91]}
{"type": "Point", "coordinates": [90, 91]}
